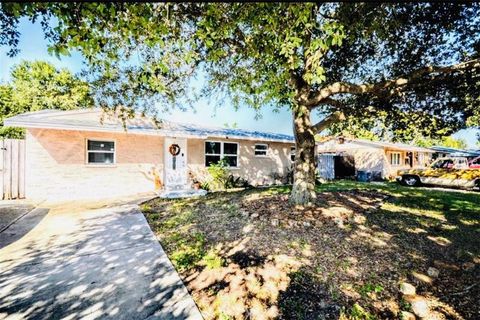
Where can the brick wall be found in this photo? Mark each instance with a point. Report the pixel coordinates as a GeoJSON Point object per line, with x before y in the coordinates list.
{"type": "Point", "coordinates": [257, 170]}
{"type": "Point", "coordinates": [56, 165]}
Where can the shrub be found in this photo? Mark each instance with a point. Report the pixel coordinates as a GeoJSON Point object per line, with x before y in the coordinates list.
{"type": "Point", "coordinates": [222, 179]}
{"type": "Point", "coordinates": [219, 173]}
{"type": "Point", "coordinates": [205, 186]}
{"type": "Point", "coordinates": [236, 182]}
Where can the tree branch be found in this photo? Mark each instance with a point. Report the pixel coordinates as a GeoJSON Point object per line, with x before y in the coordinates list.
{"type": "Point", "coordinates": [325, 123]}
{"type": "Point", "coordinates": [335, 103]}
{"type": "Point", "coordinates": [382, 87]}
{"type": "Point", "coordinates": [187, 74]}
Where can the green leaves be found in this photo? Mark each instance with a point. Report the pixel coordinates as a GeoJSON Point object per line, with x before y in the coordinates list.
{"type": "Point", "coordinates": [331, 35]}
{"type": "Point", "coordinates": [270, 54]}
{"type": "Point", "coordinates": [39, 85]}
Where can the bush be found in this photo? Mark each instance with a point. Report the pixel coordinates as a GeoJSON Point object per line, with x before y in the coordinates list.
{"type": "Point", "coordinates": [219, 173]}
{"type": "Point", "coordinates": [205, 186]}
{"type": "Point", "coordinates": [236, 182]}
{"type": "Point", "coordinates": [222, 179]}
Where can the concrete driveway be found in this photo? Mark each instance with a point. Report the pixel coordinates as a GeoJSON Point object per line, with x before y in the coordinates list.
{"type": "Point", "coordinates": [73, 262]}
{"type": "Point", "coordinates": [12, 210]}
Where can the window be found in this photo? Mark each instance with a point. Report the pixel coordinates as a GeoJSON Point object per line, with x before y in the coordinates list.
{"type": "Point", "coordinates": [230, 153]}
{"type": "Point", "coordinates": [261, 150]}
{"type": "Point", "coordinates": [443, 164]}
{"type": "Point", "coordinates": [292, 154]}
{"type": "Point", "coordinates": [100, 152]}
{"type": "Point", "coordinates": [395, 158]}
{"type": "Point", "coordinates": [214, 151]}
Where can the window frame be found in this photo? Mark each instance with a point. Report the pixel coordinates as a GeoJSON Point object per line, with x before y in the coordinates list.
{"type": "Point", "coordinates": [222, 154]}
{"type": "Point", "coordinates": [94, 164]}
{"type": "Point", "coordinates": [261, 155]}
{"type": "Point", "coordinates": [399, 158]}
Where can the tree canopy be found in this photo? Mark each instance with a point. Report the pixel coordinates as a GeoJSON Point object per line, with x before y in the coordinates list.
{"type": "Point", "coordinates": [141, 53]}
{"type": "Point", "coordinates": [408, 68]}
{"type": "Point", "coordinates": [39, 85]}
{"type": "Point", "coordinates": [449, 142]}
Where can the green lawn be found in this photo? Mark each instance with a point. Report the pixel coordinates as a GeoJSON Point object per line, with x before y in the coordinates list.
{"type": "Point", "coordinates": [453, 214]}
{"type": "Point", "coordinates": [250, 254]}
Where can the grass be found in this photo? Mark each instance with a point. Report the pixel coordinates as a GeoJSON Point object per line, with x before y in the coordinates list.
{"type": "Point", "coordinates": [343, 258]}
{"type": "Point", "coordinates": [369, 288]}
{"type": "Point", "coordinates": [357, 312]}
{"type": "Point", "coordinates": [452, 214]}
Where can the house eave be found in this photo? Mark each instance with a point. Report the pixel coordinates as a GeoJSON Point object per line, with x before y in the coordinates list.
{"type": "Point", "coordinates": [56, 126]}
{"type": "Point", "coordinates": [150, 132]}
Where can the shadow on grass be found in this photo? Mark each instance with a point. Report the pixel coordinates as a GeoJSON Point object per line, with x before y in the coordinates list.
{"type": "Point", "coordinates": [345, 256]}
{"type": "Point", "coordinates": [308, 298]}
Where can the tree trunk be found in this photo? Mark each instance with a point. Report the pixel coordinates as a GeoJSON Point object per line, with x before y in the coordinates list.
{"type": "Point", "coordinates": [303, 191]}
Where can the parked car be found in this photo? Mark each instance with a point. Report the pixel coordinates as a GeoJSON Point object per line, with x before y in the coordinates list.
{"type": "Point", "coordinates": [448, 172]}
{"type": "Point", "coordinates": [475, 163]}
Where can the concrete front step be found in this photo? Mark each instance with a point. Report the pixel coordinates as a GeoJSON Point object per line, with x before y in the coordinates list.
{"type": "Point", "coordinates": [186, 193]}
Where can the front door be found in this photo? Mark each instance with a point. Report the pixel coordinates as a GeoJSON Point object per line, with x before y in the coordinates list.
{"type": "Point", "coordinates": [175, 164]}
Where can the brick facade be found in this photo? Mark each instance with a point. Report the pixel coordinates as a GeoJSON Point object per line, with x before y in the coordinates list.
{"type": "Point", "coordinates": [257, 170]}
{"type": "Point", "coordinates": [56, 165]}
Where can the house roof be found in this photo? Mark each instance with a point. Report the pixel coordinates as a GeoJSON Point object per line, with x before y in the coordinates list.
{"type": "Point", "coordinates": [97, 120]}
{"type": "Point", "coordinates": [389, 145]}
{"type": "Point", "coordinates": [457, 152]}
{"type": "Point", "coordinates": [394, 145]}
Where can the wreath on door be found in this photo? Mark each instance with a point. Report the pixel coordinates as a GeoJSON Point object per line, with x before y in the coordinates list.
{"type": "Point", "coordinates": [174, 149]}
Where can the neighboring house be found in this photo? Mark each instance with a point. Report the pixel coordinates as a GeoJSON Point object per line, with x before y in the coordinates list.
{"type": "Point", "coordinates": [72, 154]}
{"type": "Point", "coordinates": [382, 159]}
{"type": "Point", "coordinates": [441, 152]}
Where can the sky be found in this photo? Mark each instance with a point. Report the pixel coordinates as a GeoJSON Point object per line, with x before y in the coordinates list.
{"type": "Point", "coordinates": [33, 46]}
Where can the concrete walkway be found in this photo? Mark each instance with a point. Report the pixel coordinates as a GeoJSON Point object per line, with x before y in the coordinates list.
{"type": "Point", "coordinates": [70, 262]}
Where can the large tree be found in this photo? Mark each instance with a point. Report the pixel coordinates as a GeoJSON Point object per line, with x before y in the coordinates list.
{"type": "Point", "coordinates": [39, 85]}
{"type": "Point", "coordinates": [411, 67]}
{"type": "Point", "coordinates": [448, 141]}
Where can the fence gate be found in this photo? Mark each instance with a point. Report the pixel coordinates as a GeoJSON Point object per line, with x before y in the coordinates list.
{"type": "Point", "coordinates": [12, 168]}
{"type": "Point", "coordinates": [326, 166]}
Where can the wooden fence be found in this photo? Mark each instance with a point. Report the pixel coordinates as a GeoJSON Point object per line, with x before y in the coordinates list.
{"type": "Point", "coordinates": [12, 168]}
{"type": "Point", "coordinates": [326, 166]}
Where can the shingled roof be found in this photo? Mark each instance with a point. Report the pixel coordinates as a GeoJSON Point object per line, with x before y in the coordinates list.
{"type": "Point", "coordinates": [96, 120]}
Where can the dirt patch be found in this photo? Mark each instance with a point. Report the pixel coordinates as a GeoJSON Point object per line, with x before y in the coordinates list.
{"type": "Point", "coordinates": [253, 255]}
{"type": "Point", "coordinates": [334, 207]}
